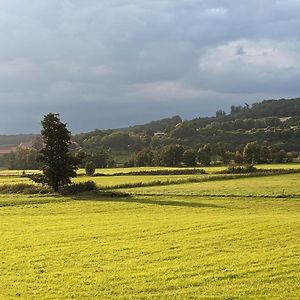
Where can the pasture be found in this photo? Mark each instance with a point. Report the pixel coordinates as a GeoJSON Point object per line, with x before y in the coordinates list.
{"type": "Point", "coordinates": [224, 239]}
{"type": "Point", "coordinates": [268, 186]}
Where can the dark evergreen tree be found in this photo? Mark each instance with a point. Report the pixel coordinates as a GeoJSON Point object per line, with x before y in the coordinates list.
{"type": "Point", "coordinates": [58, 165]}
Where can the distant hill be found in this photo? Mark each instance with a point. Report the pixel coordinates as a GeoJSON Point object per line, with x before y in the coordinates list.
{"type": "Point", "coordinates": [14, 140]}
{"type": "Point", "coordinates": [270, 121]}
{"type": "Point", "coordinates": [276, 122]}
{"type": "Point", "coordinates": [157, 126]}
{"type": "Point", "coordinates": [268, 108]}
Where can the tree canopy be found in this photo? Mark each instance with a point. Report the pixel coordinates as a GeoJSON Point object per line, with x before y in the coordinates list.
{"type": "Point", "coordinates": [58, 165]}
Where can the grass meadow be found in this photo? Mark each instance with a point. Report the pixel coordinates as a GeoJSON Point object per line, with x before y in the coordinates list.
{"type": "Point", "coordinates": [268, 186]}
{"type": "Point", "coordinates": [224, 239]}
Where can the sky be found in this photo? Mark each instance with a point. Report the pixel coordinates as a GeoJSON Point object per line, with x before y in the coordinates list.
{"type": "Point", "coordinates": [113, 63]}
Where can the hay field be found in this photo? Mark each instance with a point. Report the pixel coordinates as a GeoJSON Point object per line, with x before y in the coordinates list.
{"type": "Point", "coordinates": [163, 242]}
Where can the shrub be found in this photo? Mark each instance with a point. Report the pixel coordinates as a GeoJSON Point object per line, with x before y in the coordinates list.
{"type": "Point", "coordinates": [239, 170]}
{"type": "Point", "coordinates": [37, 178]}
{"type": "Point", "coordinates": [90, 168]}
{"type": "Point", "coordinates": [189, 158]}
{"type": "Point", "coordinates": [24, 188]}
{"type": "Point", "coordinates": [76, 188]}
{"type": "Point", "coordinates": [157, 172]}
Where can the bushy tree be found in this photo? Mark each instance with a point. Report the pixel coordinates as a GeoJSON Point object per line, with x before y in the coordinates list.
{"type": "Point", "coordinates": [264, 153]}
{"type": "Point", "coordinates": [170, 155]}
{"type": "Point", "coordinates": [251, 153]}
{"type": "Point", "coordinates": [58, 165]}
{"type": "Point", "coordinates": [100, 157]}
{"type": "Point", "coordinates": [204, 155]}
{"type": "Point", "coordinates": [238, 157]}
{"type": "Point", "coordinates": [21, 159]}
{"type": "Point", "coordinates": [90, 168]}
{"type": "Point", "coordinates": [82, 157]}
{"type": "Point", "coordinates": [281, 156]}
{"type": "Point", "coordinates": [222, 151]}
{"type": "Point", "coordinates": [144, 158]}
{"type": "Point", "coordinates": [189, 158]}
{"type": "Point", "coordinates": [120, 140]}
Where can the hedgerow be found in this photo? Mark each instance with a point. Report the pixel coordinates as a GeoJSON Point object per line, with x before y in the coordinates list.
{"type": "Point", "coordinates": [156, 172]}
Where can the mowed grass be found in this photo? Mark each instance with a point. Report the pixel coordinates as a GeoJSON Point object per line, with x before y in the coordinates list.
{"type": "Point", "coordinates": [150, 248]}
{"type": "Point", "coordinates": [111, 171]}
{"type": "Point", "coordinates": [6, 172]}
{"type": "Point", "coordinates": [184, 241]}
{"type": "Point", "coordinates": [13, 180]}
{"type": "Point", "coordinates": [210, 169]}
{"type": "Point", "coordinates": [278, 185]}
{"type": "Point", "coordinates": [279, 166]}
{"type": "Point", "coordinates": [111, 181]}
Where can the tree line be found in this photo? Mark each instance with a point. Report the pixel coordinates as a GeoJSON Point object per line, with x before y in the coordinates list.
{"type": "Point", "coordinates": [244, 124]}
{"type": "Point", "coordinates": [205, 155]}
{"type": "Point", "coordinates": [59, 163]}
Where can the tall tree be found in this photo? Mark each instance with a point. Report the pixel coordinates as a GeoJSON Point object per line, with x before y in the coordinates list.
{"type": "Point", "coordinates": [251, 153]}
{"type": "Point", "coordinates": [144, 158]}
{"type": "Point", "coordinates": [170, 155]}
{"type": "Point", "coordinates": [189, 158]}
{"type": "Point", "coordinates": [58, 165]}
{"type": "Point", "coordinates": [204, 155]}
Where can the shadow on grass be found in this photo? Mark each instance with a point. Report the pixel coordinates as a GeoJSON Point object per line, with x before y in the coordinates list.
{"type": "Point", "coordinates": [176, 203]}
{"type": "Point", "coordinates": [52, 199]}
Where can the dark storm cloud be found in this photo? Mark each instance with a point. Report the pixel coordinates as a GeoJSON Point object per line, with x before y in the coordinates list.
{"type": "Point", "coordinates": [120, 62]}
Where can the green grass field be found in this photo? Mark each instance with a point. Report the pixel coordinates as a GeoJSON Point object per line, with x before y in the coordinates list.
{"type": "Point", "coordinates": [111, 181]}
{"type": "Point", "coordinates": [257, 186]}
{"type": "Point", "coordinates": [126, 170]}
{"type": "Point", "coordinates": [207, 240]}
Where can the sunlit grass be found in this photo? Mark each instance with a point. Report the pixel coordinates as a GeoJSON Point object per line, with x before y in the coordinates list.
{"type": "Point", "coordinates": [150, 248]}
{"type": "Point", "coordinates": [111, 181]}
{"type": "Point", "coordinates": [173, 242]}
{"type": "Point", "coordinates": [258, 186]}
{"type": "Point", "coordinates": [13, 180]}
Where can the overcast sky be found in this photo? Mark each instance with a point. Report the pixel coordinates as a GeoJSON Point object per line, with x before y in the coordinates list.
{"type": "Point", "coordinates": [114, 63]}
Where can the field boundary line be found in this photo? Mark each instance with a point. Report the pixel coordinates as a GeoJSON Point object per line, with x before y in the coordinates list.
{"type": "Point", "coordinates": [198, 180]}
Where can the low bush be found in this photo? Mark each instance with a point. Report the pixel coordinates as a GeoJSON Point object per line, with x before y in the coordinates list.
{"type": "Point", "coordinates": [156, 172]}
{"type": "Point", "coordinates": [151, 183]}
{"type": "Point", "coordinates": [76, 188]}
{"type": "Point", "coordinates": [220, 176]}
{"type": "Point", "coordinates": [24, 188]}
{"type": "Point", "coordinates": [233, 169]}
